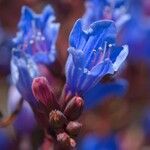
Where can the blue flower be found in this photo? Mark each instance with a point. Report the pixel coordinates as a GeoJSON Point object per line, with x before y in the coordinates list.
{"type": "Point", "coordinates": [104, 9]}
{"type": "Point", "coordinates": [101, 91]}
{"type": "Point", "coordinates": [93, 12]}
{"type": "Point", "coordinates": [23, 70]}
{"type": "Point", "coordinates": [92, 55]}
{"type": "Point", "coordinates": [38, 34]}
{"type": "Point", "coordinates": [97, 142]}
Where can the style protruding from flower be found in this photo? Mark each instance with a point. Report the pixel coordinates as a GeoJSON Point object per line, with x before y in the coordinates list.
{"type": "Point", "coordinates": [38, 34]}
{"type": "Point", "coordinates": [92, 55]}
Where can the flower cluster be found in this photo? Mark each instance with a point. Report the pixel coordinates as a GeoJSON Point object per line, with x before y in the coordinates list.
{"type": "Point", "coordinates": [92, 55]}
{"type": "Point", "coordinates": [62, 122]}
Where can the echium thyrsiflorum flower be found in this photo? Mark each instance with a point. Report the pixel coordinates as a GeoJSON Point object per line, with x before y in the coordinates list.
{"type": "Point", "coordinates": [105, 9]}
{"type": "Point", "coordinates": [92, 55]}
{"type": "Point", "coordinates": [38, 34]}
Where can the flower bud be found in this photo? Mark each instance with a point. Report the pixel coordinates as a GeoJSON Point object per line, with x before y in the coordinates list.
{"type": "Point", "coordinates": [57, 119]}
{"type": "Point", "coordinates": [65, 140]}
{"type": "Point", "coordinates": [43, 93]}
{"type": "Point", "coordinates": [73, 128]}
{"type": "Point", "coordinates": [72, 143]}
{"type": "Point", "coordinates": [74, 108]}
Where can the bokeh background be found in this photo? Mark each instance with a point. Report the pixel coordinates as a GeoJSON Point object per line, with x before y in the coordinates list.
{"type": "Point", "coordinates": [116, 123]}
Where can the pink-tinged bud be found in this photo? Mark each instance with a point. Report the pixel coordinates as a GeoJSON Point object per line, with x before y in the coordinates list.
{"type": "Point", "coordinates": [43, 93]}
{"type": "Point", "coordinates": [57, 119]}
{"type": "Point", "coordinates": [74, 108]}
{"type": "Point", "coordinates": [65, 140]}
{"type": "Point", "coordinates": [72, 143]}
{"type": "Point", "coordinates": [73, 128]}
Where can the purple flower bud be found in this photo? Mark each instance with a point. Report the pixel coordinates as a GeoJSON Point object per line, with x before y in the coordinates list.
{"type": "Point", "coordinates": [43, 93]}
{"type": "Point", "coordinates": [72, 143]}
{"type": "Point", "coordinates": [65, 140]}
{"type": "Point", "coordinates": [57, 119]}
{"type": "Point", "coordinates": [73, 128]}
{"type": "Point", "coordinates": [74, 108]}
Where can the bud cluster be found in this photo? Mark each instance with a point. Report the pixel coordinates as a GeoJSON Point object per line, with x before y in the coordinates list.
{"type": "Point", "coordinates": [62, 122]}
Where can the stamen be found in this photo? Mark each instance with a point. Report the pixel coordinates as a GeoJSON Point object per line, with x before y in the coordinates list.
{"type": "Point", "coordinates": [101, 55]}
{"type": "Point", "coordinates": [105, 48]}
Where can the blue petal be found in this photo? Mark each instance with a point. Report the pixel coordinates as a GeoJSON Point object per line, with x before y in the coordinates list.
{"type": "Point", "coordinates": [121, 57]}
{"type": "Point", "coordinates": [102, 68]}
{"type": "Point", "coordinates": [104, 26]}
{"type": "Point", "coordinates": [70, 73]}
{"type": "Point", "coordinates": [77, 36]}
{"type": "Point", "coordinates": [115, 51]}
{"type": "Point", "coordinates": [51, 33]}
{"type": "Point", "coordinates": [47, 12]}
{"type": "Point", "coordinates": [23, 70]}
{"type": "Point", "coordinates": [97, 73]}
{"type": "Point", "coordinates": [41, 58]}
{"type": "Point", "coordinates": [26, 17]}
{"type": "Point", "coordinates": [100, 32]}
{"type": "Point", "coordinates": [77, 56]}
{"type": "Point", "coordinates": [106, 31]}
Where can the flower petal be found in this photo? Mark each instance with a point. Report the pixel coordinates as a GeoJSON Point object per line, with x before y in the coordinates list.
{"type": "Point", "coordinates": [97, 94]}
{"type": "Point", "coordinates": [121, 57]}
{"type": "Point", "coordinates": [26, 17]}
{"type": "Point", "coordinates": [47, 12]}
{"type": "Point", "coordinates": [23, 70]}
{"type": "Point", "coordinates": [77, 36]}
